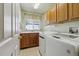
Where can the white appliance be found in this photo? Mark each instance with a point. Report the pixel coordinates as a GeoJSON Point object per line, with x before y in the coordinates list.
{"type": "Point", "coordinates": [42, 44]}
{"type": "Point", "coordinates": [56, 46]}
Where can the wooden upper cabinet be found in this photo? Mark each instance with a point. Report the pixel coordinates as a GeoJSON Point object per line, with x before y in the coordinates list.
{"type": "Point", "coordinates": [75, 9]}
{"type": "Point", "coordinates": [48, 16]}
{"type": "Point", "coordinates": [70, 11]}
{"type": "Point", "coordinates": [61, 12]}
{"type": "Point", "coordinates": [53, 15]}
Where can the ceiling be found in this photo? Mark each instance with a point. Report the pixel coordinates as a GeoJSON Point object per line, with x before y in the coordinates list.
{"type": "Point", "coordinates": [43, 7]}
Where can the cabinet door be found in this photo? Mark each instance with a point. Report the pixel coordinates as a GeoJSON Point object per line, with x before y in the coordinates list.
{"type": "Point", "coordinates": [24, 41]}
{"type": "Point", "coordinates": [36, 39]}
{"type": "Point", "coordinates": [22, 45]}
{"type": "Point", "coordinates": [48, 17]}
{"type": "Point", "coordinates": [70, 11]}
{"type": "Point", "coordinates": [61, 12]}
{"type": "Point", "coordinates": [31, 39]}
{"type": "Point", "coordinates": [75, 10]}
{"type": "Point", "coordinates": [45, 18]}
{"type": "Point", "coordinates": [53, 15]}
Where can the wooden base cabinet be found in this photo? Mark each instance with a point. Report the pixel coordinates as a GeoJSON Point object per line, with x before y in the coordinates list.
{"type": "Point", "coordinates": [29, 40]}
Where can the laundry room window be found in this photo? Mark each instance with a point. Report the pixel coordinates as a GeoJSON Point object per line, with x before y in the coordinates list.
{"type": "Point", "coordinates": [31, 22]}
{"type": "Point", "coordinates": [33, 25]}
{"type": "Point", "coordinates": [36, 27]}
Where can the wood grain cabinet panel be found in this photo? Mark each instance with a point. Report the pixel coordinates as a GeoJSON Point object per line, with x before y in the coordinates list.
{"type": "Point", "coordinates": [70, 11]}
{"type": "Point", "coordinates": [36, 42]}
{"type": "Point", "coordinates": [29, 40]}
{"type": "Point", "coordinates": [53, 15]}
{"type": "Point", "coordinates": [48, 16]}
{"type": "Point", "coordinates": [24, 42]}
{"type": "Point", "coordinates": [61, 12]}
{"type": "Point", "coordinates": [75, 9]}
{"type": "Point", "coordinates": [45, 18]}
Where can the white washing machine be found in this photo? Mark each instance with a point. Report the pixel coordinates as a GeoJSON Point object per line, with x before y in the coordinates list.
{"type": "Point", "coordinates": [61, 47]}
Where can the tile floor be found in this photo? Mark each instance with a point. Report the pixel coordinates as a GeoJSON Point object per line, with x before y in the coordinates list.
{"type": "Point", "coordinates": [30, 52]}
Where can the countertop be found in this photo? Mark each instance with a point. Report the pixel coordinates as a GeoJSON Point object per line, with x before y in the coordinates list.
{"type": "Point", "coordinates": [30, 32]}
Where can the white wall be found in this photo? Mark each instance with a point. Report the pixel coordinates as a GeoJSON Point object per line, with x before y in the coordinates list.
{"type": "Point", "coordinates": [1, 21]}
{"type": "Point", "coordinates": [18, 17]}
{"type": "Point", "coordinates": [64, 27]}
{"type": "Point", "coordinates": [7, 20]}
{"type": "Point", "coordinates": [22, 24]}
{"type": "Point", "coordinates": [13, 19]}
